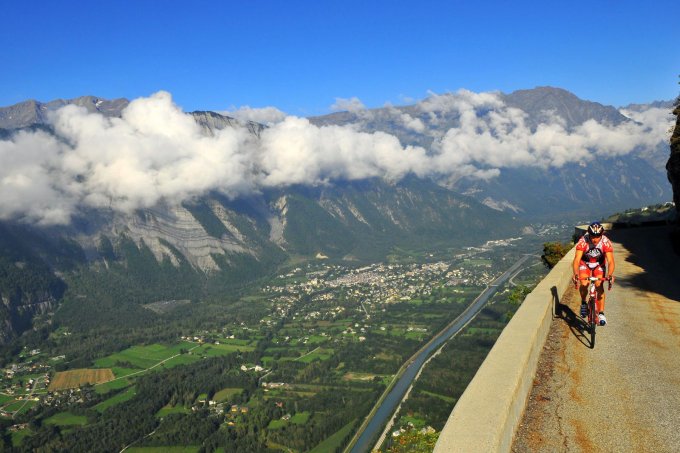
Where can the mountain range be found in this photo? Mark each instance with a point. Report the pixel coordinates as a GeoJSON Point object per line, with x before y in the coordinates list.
{"type": "Point", "coordinates": [583, 187]}
{"type": "Point", "coordinates": [234, 239]}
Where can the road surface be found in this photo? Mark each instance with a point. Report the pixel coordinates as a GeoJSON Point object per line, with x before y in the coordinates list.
{"type": "Point", "coordinates": [624, 395]}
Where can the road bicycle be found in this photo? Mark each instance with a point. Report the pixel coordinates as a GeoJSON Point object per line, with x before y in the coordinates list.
{"type": "Point", "coordinates": [592, 318]}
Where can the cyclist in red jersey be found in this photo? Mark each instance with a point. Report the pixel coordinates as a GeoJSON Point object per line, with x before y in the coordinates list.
{"type": "Point", "coordinates": [593, 251]}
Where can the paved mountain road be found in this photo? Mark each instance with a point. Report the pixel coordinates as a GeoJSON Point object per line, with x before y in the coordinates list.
{"type": "Point", "coordinates": [624, 395]}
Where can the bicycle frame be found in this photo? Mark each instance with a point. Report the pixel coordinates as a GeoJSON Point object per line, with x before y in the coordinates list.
{"type": "Point", "coordinates": [592, 317]}
{"type": "Point", "coordinates": [592, 309]}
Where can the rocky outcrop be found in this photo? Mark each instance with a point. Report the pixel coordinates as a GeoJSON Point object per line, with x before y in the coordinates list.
{"type": "Point", "coordinates": [176, 226]}
{"type": "Point", "coordinates": [211, 122]}
{"type": "Point", "coordinates": [673, 164]}
{"type": "Point", "coordinates": [17, 311]}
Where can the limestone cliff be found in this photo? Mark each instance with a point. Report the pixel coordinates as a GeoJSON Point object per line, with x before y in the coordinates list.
{"type": "Point", "coordinates": [18, 308]}
{"type": "Point", "coordinates": [176, 226]}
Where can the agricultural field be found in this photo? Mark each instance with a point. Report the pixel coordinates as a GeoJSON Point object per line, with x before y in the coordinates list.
{"type": "Point", "coordinates": [317, 354]}
{"type": "Point", "coordinates": [167, 410]}
{"type": "Point", "coordinates": [20, 406]}
{"type": "Point", "coordinates": [76, 378]}
{"type": "Point", "coordinates": [143, 357]}
{"type": "Point", "coordinates": [182, 359]}
{"type": "Point", "coordinates": [267, 360]}
{"type": "Point", "coordinates": [361, 377]}
{"type": "Point", "coordinates": [277, 424]}
{"type": "Point", "coordinates": [119, 398]}
{"type": "Point", "coordinates": [120, 372]}
{"type": "Point", "coordinates": [300, 418]}
{"type": "Point", "coordinates": [115, 384]}
{"type": "Point", "coordinates": [66, 419]}
{"type": "Point", "coordinates": [238, 342]}
{"type": "Point", "coordinates": [210, 350]}
{"type": "Point", "coordinates": [138, 358]}
{"type": "Point", "coordinates": [225, 394]}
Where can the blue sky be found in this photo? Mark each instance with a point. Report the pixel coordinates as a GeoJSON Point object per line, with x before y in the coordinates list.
{"type": "Point", "coordinates": [299, 56]}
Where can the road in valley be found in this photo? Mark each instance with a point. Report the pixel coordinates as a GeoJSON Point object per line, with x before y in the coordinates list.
{"type": "Point", "coordinates": [623, 395]}
{"type": "Point", "coordinates": [369, 431]}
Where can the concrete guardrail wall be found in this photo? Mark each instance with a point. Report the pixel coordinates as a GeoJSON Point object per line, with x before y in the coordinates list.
{"type": "Point", "coordinates": [488, 412]}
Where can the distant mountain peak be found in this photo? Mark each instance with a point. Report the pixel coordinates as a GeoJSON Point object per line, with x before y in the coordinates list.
{"type": "Point", "coordinates": [32, 112]}
{"type": "Point", "coordinates": [571, 108]}
{"type": "Point", "coordinates": [655, 104]}
{"type": "Point", "coordinates": [546, 90]}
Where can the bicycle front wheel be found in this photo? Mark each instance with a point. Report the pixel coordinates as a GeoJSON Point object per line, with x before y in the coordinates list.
{"type": "Point", "coordinates": [593, 323]}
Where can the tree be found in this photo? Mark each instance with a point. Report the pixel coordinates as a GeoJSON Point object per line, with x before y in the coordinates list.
{"type": "Point", "coordinates": [553, 252]}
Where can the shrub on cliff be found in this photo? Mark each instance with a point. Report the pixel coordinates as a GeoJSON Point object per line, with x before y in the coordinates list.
{"type": "Point", "coordinates": [553, 252]}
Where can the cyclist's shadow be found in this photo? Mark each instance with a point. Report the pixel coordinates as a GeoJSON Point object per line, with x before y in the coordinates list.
{"type": "Point", "coordinates": [577, 325]}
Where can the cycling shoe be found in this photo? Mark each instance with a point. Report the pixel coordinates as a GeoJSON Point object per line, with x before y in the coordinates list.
{"type": "Point", "coordinates": [602, 319]}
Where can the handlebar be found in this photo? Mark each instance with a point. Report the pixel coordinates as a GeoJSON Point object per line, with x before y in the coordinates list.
{"type": "Point", "coordinates": [594, 279]}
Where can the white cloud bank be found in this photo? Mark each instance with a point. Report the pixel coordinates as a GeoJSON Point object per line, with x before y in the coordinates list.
{"type": "Point", "coordinates": [500, 137]}
{"type": "Point", "coordinates": [155, 152]}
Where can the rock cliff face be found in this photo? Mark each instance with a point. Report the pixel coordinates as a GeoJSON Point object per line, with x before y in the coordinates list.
{"type": "Point", "coordinates": [19, 309]}
{"type": "Point", "coordinates": [673, 164]}
{"type": "Point", "coordinates": [211, 121]}
{"type": "Point", "coordinates": [213, 231]}
{"type": "Point", "coordinates": [176, 226]}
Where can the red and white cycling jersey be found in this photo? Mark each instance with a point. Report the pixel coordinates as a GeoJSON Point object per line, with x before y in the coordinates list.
{"type": "Point", "coordinates": [594, 255]}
